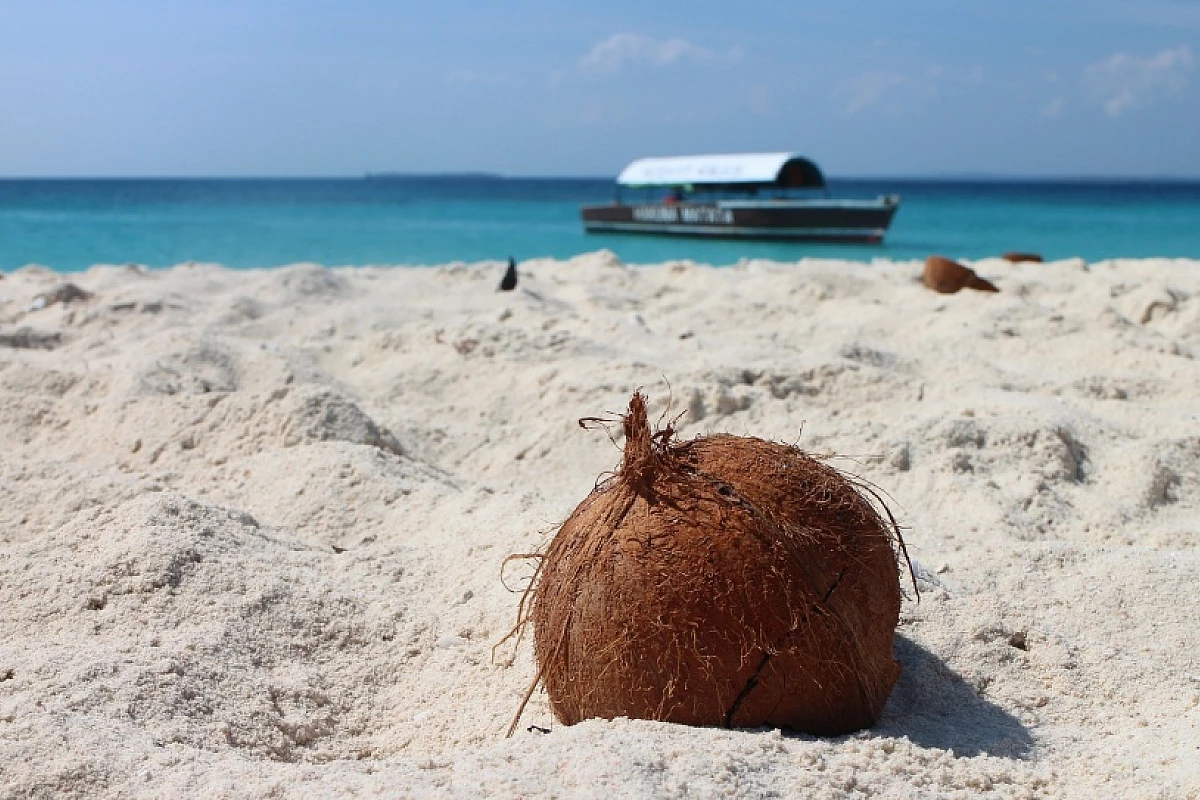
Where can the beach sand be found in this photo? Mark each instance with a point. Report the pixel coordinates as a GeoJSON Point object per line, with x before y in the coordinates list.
{"type": "Point", "coordinates": [253, 523]}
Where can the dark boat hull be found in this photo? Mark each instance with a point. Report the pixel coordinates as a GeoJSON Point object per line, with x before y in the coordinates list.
{"type": "Point", "coordinates": [814, 221]}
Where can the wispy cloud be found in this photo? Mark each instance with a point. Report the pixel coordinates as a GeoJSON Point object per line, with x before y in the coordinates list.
{"type": "Point", "coordinates": [890, 92]}
{"type": "Point", "coordinates": [868, 89]}
{"type": "Point", "coordinates": [623, 50]}
{"type": "Point", "coordinates": [1123, 82]}
{"type": "Point", "coordinates": [759, 100]}
{"type": "Point", "coordinates": [1054, 108]}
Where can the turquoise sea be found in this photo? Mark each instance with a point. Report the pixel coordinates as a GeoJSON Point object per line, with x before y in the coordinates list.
{"type": "Point", "coordinates": [72, 224]}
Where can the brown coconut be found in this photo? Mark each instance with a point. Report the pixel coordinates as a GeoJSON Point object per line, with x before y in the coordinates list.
{"type": "Point", "coordinates": [722, 581]}
{"type": "Point", "coordinates": [1017, 257]}
{"type": "Point", "coordinates": [947, 277]}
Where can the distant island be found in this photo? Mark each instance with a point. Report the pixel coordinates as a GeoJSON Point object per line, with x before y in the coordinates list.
{"type": "Point", "coordinates": [433, 176]}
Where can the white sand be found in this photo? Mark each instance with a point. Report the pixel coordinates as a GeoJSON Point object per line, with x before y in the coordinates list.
{"type": "Point", "coordinates": [178, 468]}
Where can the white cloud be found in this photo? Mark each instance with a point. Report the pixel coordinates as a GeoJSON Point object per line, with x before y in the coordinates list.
{"type": "Point", "coordinates": [626, 49]}
{"type": "Point", "coordinates": [1123, 82]}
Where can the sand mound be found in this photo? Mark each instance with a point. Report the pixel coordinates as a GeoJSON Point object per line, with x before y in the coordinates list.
{"type": "Point", "coordinates": [192, 621]}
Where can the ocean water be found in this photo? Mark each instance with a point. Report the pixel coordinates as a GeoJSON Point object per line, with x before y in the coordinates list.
{"type": "Point", "coordinates": [70, 225]}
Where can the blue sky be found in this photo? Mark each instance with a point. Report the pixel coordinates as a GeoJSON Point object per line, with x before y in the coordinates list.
{"type": "Point", "coordinates": [878, 87]}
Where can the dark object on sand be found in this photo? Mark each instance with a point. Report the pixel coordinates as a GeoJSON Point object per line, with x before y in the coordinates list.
{"type": "Point", "coordinates": [1017, 257]}
{"type": "Point", "coordinates": [773, 196]}
{"type": "Point", "coordinates": [66, 293]}
{"type": "Point", "coordinates": [947, 277]}
{"type": "Point", "coordinates": [29, 339]}
{"type": "Point", "coordinates": [509, 281]}
{"type": "Point", "coordinates": [722, 581]}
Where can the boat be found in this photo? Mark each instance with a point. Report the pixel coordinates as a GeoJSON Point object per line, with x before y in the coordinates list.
{"type": "Point", "coordinates": [779, 196]}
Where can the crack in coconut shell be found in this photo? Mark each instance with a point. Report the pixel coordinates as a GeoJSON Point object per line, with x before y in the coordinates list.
{"type": "Point", "coordinates": [749, 687]}
{"type": "Point", "coordinates": [684, 588]}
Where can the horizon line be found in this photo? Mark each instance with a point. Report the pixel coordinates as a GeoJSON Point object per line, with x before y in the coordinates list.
{"type": "Point", "coordinates": [485, 175]}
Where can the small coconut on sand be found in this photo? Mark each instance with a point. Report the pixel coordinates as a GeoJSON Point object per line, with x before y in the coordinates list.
{"type": "Point", "coordinates": [253, 523]}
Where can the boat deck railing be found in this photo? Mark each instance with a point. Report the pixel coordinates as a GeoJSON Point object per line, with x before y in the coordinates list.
{"type": "Point", "coordinates": [813, 202]}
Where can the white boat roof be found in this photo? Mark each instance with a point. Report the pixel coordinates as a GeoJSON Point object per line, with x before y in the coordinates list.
{"type": "Point", "coordinates": [732, 168]}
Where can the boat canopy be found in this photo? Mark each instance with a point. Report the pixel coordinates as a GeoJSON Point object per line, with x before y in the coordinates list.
{"type": "Point", "coordinates": [733, 171]}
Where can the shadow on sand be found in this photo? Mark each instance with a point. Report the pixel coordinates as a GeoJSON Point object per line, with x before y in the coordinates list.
{"type": "Point", "coordinates": [934, 707]}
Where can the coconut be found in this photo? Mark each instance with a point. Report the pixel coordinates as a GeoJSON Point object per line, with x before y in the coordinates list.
{"type": "Point", "coordinates": [948, 277]}
{"type": "Point", "coordinates": [1018, 257]}
{"type": "Point", "coordinates": [722, 581]}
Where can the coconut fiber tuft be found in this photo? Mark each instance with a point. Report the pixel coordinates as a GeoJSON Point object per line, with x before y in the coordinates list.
{"type": "Point", "coordinates": [722, 581]}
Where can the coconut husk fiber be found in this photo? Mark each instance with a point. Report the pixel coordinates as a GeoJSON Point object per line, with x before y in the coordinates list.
{"type": "Point", "coordinates": [721, 581]}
